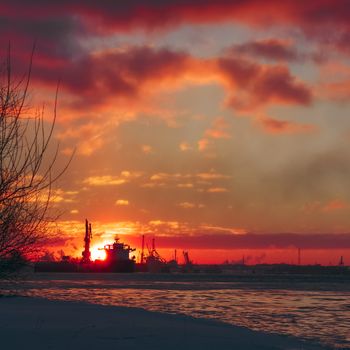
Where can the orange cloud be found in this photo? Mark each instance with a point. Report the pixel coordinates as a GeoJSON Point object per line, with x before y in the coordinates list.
{"type": "Point", "coordinates": [203, 144]}
{"type": "Point", "coordinates": [187, 205]}
{"type": "Point", "coordinates": [86, 138]}
{"type": "Point", "coordinates": [122, 202]}
{"type": "Point", "coordinates": [201, 181]}
{"type": "Point", "coordinates": [105, 180]}
{"type": "Point", "coordinates": [185, 185]}
{"type": "Point", "coordinates": [212, 175]}
{"type": "Point", "coordinates": [334, 205]}
{"type": "Point", "coordinates": [147, 149]}
{"type": "Point", "coordinates": [219, 129]}
{"type": "Point", "coordinates": [185, 146]}
{"type": "Point", "coordinates": [331, 206]}
{"type": "Point", "coordinates": [217, 190]}
{"type": "Point", "coordinates": [112, 180]}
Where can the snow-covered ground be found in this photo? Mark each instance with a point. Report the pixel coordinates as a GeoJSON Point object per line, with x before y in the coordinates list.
{"type": "Point", "coordinates": [30, 323]}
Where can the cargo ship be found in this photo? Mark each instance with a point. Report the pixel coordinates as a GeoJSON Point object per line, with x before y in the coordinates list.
{"type": "Point", "coordinates": [117, 259]}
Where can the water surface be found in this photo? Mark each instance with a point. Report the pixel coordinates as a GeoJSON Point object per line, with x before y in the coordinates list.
{"type": "Point", "coordinates": [306, 307]}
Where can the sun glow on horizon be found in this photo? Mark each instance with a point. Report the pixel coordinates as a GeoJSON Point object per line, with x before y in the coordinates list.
{"type": "Point", "coordinates": [97, 253]}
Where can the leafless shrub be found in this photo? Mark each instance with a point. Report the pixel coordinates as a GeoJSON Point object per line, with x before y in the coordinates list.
{"type": "Point", "coordinates": [26, 171]}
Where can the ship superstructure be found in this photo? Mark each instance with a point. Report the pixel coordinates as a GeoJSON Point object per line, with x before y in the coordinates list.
{"type": "Point", "coordinates": [118, 257]}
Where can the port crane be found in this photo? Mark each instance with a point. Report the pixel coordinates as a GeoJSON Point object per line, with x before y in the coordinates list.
{"type": "Point", "coordinates": [87, 239]}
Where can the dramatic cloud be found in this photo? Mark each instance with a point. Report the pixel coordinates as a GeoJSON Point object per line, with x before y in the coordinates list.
{"type": "Point", "coordinates": [101, 76]}
{"type": "Point", "coordinates": [154, 13]}
{"type": "Point", "coordinates": [261, 84]}
{"type": "Point", "coordinates": [60, 28]}
{"type": "Point", "coordinates": [272, 49]}
{"type": "Point", "coordinates": [131, 77]}
{"type": "Point", "coordinates": [229, 116]}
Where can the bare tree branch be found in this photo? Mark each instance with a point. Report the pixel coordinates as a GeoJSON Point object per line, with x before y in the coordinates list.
{"type": "Point", "coordinates": [26, 169]}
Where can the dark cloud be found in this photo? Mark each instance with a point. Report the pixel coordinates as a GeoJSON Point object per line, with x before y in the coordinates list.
{"type": "Point", "coordinates": [94, 79]}
{"type": "Point", "coordinates": [217, 240]}
{"type": "Point", "coordinates": [159, 13]}
{"type": "Point", "coordinates": [56, 38]}
{"type": "Point", "coordinates": [263, 83]}
{"type": "Point", "coordinates": [277, 82]}
{"type": "Point", "coordinates": [59, 26]}
{"type": "Point", "coordinates": [271, 49]}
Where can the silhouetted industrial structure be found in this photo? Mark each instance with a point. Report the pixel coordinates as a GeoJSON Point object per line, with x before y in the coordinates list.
{"type": "Point", "coordinates": [117, 258]}
{"type": "Point", "coordinates": [154, 261]}
{"type": "Point", "coordinates": [87, 239]}
{"type": "Point", "coordinates": [143, 249]}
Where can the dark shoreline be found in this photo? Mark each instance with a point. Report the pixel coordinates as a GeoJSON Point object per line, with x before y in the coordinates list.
{"type": "Point", "coordinates": [34, 323]}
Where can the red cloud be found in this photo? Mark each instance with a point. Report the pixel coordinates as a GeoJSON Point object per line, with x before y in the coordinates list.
{"type": "Point", "coordinates": [96, 78]}
{"type": "Point", "coordinates": [155, 13]}
{"type": "Point", "coordinates": [275, 126]}
{"type": "Point", "coordinates": [136, 72]}
{"type": "Point", "coordinates": [60, 24]}
{"type": "Point", "coordinates": [107, 15]}
{"type": "Point", "coordinates": [262, 84]}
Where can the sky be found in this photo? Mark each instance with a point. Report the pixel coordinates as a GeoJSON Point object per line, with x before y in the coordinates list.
{"type": "Point", "coordinates": [217, 127]}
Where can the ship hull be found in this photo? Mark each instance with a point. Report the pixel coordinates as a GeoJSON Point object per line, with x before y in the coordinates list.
{"type": "Point", "coordinates": [126, 266]}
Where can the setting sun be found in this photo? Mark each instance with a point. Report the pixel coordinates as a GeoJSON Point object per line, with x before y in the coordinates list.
{"type": "Point", "coordinates": [98, 253]}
